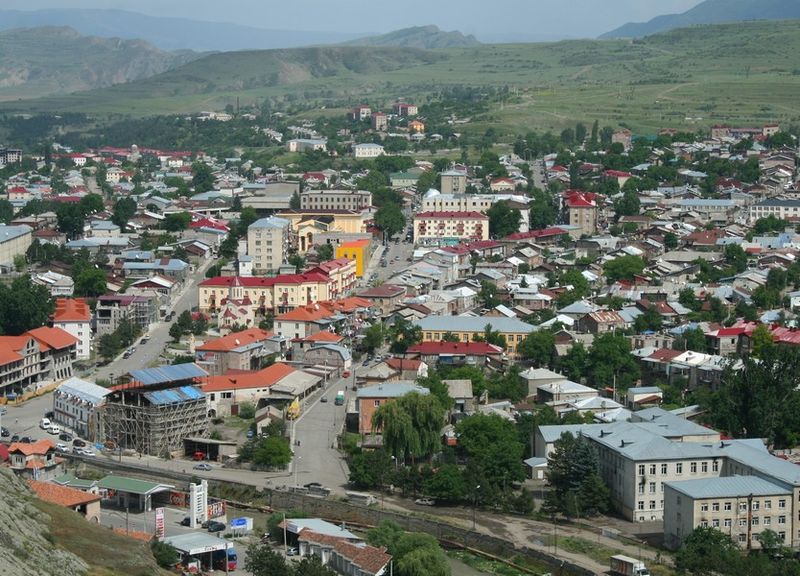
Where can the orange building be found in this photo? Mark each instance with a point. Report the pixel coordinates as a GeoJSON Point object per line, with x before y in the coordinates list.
{"type": "Point", "coordinates": [370, 398]}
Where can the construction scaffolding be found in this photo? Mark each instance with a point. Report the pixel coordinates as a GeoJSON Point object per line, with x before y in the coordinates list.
{"type": "Point", "coordinates": [156, 411]}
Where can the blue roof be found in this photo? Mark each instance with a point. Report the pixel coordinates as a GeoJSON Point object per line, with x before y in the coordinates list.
{"type": "Point", "coordinates": [165, 374]}
{"type": "Point", "coordinates": [174, 395]}
{"type": "Point", "coordinates": [391, 390]}
{"type": "Point", "coordinates": [173, 264]}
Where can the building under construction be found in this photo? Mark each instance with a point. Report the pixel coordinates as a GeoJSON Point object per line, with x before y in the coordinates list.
{"type": "Point", "coordinates": [157, 409]}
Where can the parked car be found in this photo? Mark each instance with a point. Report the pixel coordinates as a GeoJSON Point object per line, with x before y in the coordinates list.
{"type": "Point", "coordinates": [54, 429]}
{"type": "Point", "coordinates": [214, 526]}
{"type": "Point", "coordinates": [424, 502]}
{"type": "Point", "coordinates": [15, 438]}
{"type": "Point", "coordinates": [311, 485]}
{"type": "Point", "coordinates": [25, 440]}
{"type": "Point", "coordinates": [5, 432]}
{"type": "Point", "coordinates": [44, 423]}
{"type": "Point", "coordinates": [87, 452]}
{"type": "Point", "coordinates": [202, 466]}
{"type": "Point", "coordinates": [346, 374]}
{"type": "Point", "coordinates": [65, 436]}
{"type": "Point", "coordinates": [78, 442]}
{"type": "Point", "coordinates": [61, 447]}
{"type": "Point", "coordinates": [323, 399]}
{"type": "Point", "coordinates": [127, 354]}
{"type": "Point", "coordinates": [292, 552]}
{"type": "Point", "coordinates": [186, 521]}
{"type": "Point", "coordinates": [365, 363]}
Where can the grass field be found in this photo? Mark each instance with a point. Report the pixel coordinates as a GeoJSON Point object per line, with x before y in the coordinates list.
{"type": "Point", "coordinates": [106, 553]}
{"type": "Point", "coordinates": [691, 78]}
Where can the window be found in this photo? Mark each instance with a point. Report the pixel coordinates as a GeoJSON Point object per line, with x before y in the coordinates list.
{"type": "Point", "coordinates": [727, 523]}
{"type": "Point", "coordinates": [754, 521]}
{"type": "Point", "coordinates": [652, 469]}
{"type": "Point", "coordinates": [781, 519]}
{"type": "Point", "coordinates": [652, 487]}
{"type": "Point", "coordinates": [781, 504]}
{"type": "Point", "coordinates": [377, 403]}
{"type": "Point", "coordinates": [704, 467]}
{"type": "Point", "coordinates": [641, 488]}
{"type": "Point", "coordinates": [743, 522]}
{"type": "Point", "coordinates": [652, 504]}
{"type": "Point", "coordinates": [742, 537]}
{"type": "Point", "coordinates": [641, 469]}
{"type": "Point", "coordinates": [693, 467]}
{"type": "Point", "coordinates": [742, 506]}
{"type": "Point", "coordinates": [727, 507]}
{"type": "Point", "coordinates": [782, 536]}
{"type": "Point", "coordinates": [715, 523]}
{"type": "Point", "coordinates": [640, 505]}
{"type": "Point", "coordinates": [679, 468]}
{"type": "Point", "coordinates": [768, 504]}
{"type": "Point", "coordinates": [715, 507]}
{"type": "Point", "coordinates": [767, 520]}
{"type": "Point", "coordinates": [663, 469]}
{"type": "Point", "coordinates": [704, 523]}
{"type": "Point", "coordinates": [703, 507]}
{"type": "Point", "coordinates": [715, 466]}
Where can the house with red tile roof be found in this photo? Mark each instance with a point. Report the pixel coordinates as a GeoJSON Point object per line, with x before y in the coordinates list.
{"type": "Point", "coordinates": [478, 354]}
{"type": "Point", "coordinates": [74, 316]}
{"type": "Point", "coordinates": [344, 555]}
{"type": "Point", "coordinates": [385, 297]}
{"type": "Point", "coordinates": [84, 503]}
{"type": "Point", "coordinates": [36, 460]}
{"type": "Point", "coordinates": [226, 392]}
{"type": "Point", "coordinates": [582, 210]}
{"type": "Point", "coordinates": [245, 350]}
{"type": "Point", "coordinates": [342, 273]}
{"type": "Point", "coordinates": [277, 293]}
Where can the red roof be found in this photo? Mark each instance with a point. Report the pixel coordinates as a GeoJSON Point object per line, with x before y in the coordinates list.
{"type": "Point", "coordinates": [665, 354]}
{"type": "Point", "coordinates": [544, 233]}
{"type": "Point", "coordinates": [62, 495]}
{"type": "Point", "coordinates": [580, 199]}
{"type": "Point", "coordinates": [235, 340]}
{"type": "Point", "coordinates": [324, 336]}
{"type": "Point", "coordinates": [38, 448]}
{"type": "Point", "coordinates": [453, 215]}
{"type": "Point", "coordinates": [439, 348]}
{"type": "Point", "coordinates": [404, 363]}
{"type": "Point", "coordinates": [262, 379]}
{"type": "Point", "coordinates": [53, 337]}
{"type": "Point", "coordinates": [618, 174]}
{"type": "Point", "coordinates": [256, 282]}
{"type": "Point", "coordinates": [72, 310]}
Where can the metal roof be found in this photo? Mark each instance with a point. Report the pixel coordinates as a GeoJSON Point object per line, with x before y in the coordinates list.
{"type": "Point", "coordinates": [174, 395]}
{"type": "Point", "coordinates": [132, 485]}
{"type": "Point", "coordinates": [165, 374]}
{"type": "Point", "coordinates": [728, 487]}
{"type": "Point", "coordinates": [198, 543]}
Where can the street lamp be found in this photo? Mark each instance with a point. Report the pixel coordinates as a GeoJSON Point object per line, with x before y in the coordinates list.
{"type": "Point", "coordinates": [296, 468]}
{"type": "Point", "coordinates": [475, 505]}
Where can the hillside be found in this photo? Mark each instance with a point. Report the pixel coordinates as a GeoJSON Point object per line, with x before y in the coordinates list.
{"type": "Point", "coordinates": [167, 33]}
{"type": "Point", "coordinates": [711, 12]}
{"type": "Point", "coordinates": [426, 37]}
{"type": "Point", "coordinates": [688, 78]}
{"type": "Point", "coordinates": [48, 60]}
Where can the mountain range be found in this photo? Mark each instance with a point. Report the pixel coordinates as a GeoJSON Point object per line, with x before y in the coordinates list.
{"type": "Point", "coordinates": [711, 12]}
{"type": "Point", "coordinates": [428, 37]}
{"type": "Point", "coordinates": [168, 33]}
{"type": "Point", "coordinates": [58, 60]}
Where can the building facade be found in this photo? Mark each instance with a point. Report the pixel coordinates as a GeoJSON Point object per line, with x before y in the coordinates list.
{"type": "Point", "coordinates": [335, 199]}
{"type": "Point", "coordinates": [450, 227]}
{"type": "Point", "coordinates": [268, 243]}
{"type": "Point", "coordinates": [465, 328]}
{"type": "Point", "coordinates": [74, 316]}
{"type": "Point", "coordinates": [14, 241]}
{"type": "Point", "coordinates": [279, 293]}
{"type": "Point", "coordinates": [76, 403]}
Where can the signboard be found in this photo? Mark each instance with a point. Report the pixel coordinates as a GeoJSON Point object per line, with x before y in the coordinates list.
{"type": "Point", "coordinates": [216, 509]}
{"type": "Point", "coordinates": [243, 524]}
{"type": "Point", "coordinates": [160, 523]}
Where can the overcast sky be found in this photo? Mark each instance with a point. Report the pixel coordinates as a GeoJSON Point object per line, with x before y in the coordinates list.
{"type": "Point", "coordinates": [540, 18]}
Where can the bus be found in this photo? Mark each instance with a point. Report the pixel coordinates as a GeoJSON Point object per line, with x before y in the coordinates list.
{"type": "Point", "coordinates": [339, 398]}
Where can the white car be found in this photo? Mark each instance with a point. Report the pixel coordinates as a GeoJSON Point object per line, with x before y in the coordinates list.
{"type": "Point", "coordinates": [87, 452]}
{"type": "Point", "coordinates": [44, 424]}
{"type": "Point", "coordinates": [54, 429]}
{"type": "Point", "coordinates": [61, 447]}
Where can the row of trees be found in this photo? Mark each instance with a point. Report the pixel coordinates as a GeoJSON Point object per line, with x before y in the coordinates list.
{"type": "Point", "coordinates": [110, 345]}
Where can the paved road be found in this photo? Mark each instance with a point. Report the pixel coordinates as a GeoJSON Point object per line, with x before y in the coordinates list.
{"type": "Point", "coordinates": [158, 333]}
{"type": "Point", "coordinates": [539, 176]}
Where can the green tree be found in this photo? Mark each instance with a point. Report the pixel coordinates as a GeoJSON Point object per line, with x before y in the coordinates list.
{"type": "Point", "coordinates": [411, 425]}
{"type": "Point", "coordinates": [503, 220]}
{"type": "Point", "coordinates": [623, 268]}
{"type": "Point", "coordinates": [6, 211]}
{"type": "Point", "coordinates": [261, 560]}
{"type": "Point", "coordinates": [572, 472]}
{"type": "Point", "coordinates": [413, 554]}
{"type": "Point", "coordinates": [488, 294]}
{"type": "Point", "coordinates": [202, 177]}
{"type": "Point", "coordinates": [539, 347]}
{"type": "Point", "coordinates": [91, 282]}
{"type": "Point", "coordinates": [492, 448]}
{"type": "Point", "coordinates": [670, 241]}
{"type": "Point", "coordinates": [736, 257]}
{"type": "Point", "coordinates": [175, 332]}
{"type": "Point", "coordinates": [165, 554]}
{"type": "Point", "coordinates": [91, 204]}
{"type": "Point", "coordinates": [610, 361]}
{"type": "Point", "coordinates": [70, 220]}
{"type": "Point", "coordinates": [761, 340]}
{"type": "Point", "coordinates": [389, 218]}
{"type": "Point", "coordinates": [629, 204]}
{"type": "Point", "coordinates": [109, 346]}
{"type": "Point", "coordinates": [370, 469]}
{"type": "Point", "coordinates": [402, 335]}
{"type": "Point", "coordinates": [297, 261]}
{"type": "Point", "coordinates": [24, 306]}
{"type": "Point", "coordinates": [124, 210]}
{"type": "Point", "coordinates": [312, 566]}
{"type": "Point", "coordinates": [690, 339]}
{"type": "Point", "coordinates": [705, 552]}
{"type": "Point", "coordinates": [650, 319]}
{"type": "Point", "coordinates": [177, 221]}
{"type": "Point", "coordinates": [324, 252]}
{"type": "Point", "coordinates": [294, 201]}
{"type": "Point", "coordinates": [373, 337]}
{"type": "Point", "coordinates": [272, 452]}
{"type": "Point", "coordinates": [575, 362]}
{"type": "Point", "coordinates": [446, 485]}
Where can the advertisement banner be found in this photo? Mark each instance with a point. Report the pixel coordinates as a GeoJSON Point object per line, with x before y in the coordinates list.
{"type": "Point", "coordinates": [159, 522]}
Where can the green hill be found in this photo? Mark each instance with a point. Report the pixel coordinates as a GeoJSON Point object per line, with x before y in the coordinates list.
{"type": "Point", "coordinates": [426, 37]}
{"type": "Point", "coordinates": [58, 60]}
{"type": "Point", "coordinates": [711, 12]}
{"type": "Point", "coordinates": [744, 72]}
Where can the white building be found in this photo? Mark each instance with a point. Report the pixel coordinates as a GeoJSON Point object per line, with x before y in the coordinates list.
{"type": "Point", "coordinates": [74, 316]}
{"type": "Point", "coordinates": [450, 227]}
{"type": "Point", "coordinates": [267, 243]}
{"type": "Point", "coordinates": [14, 241]}
{"type": "Point", "coordinates": [367, 150]}
{"type": "Point", "coordinates": [781, 209]}
{"type": "Point", "coordinates": [57, 284]}
{"type": "Point", "coordinates": [435, 201]}
{"type": "Point", "coordinates": [75, 405]}
{"type": "Point", "coordinates": [335, 199]}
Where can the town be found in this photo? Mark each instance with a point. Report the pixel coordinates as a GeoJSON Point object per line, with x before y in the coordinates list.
{"type": "Point", "coordinates": [382, 339]}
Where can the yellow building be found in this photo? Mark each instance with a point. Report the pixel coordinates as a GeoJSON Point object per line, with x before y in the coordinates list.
{"type": "Point", "coordinates": [357, 250]}
{"type": "Point", "coordinates": [278, 294]}
{"type": "Point", "coordinates": [305, 224]}
{"type": "Point", "coordinates": [465, 328]}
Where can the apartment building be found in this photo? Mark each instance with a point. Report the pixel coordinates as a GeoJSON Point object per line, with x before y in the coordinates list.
{"type": "Point", "coordinates": [782, 209]}
{"type": "Point", "coordinates": [335, 199]}
{"type": "Point", "coordinates": [75, 405]}
{"type": "Point", "coordinates": [465, 328]}
{"type": "Point", "coordinates": [142, 310]}
{"type": "Point", "coordinates": [246, 350]}
{"type": "Point", "coordinates": [37, 356]}
{"type": "Point", "coordinates": [454, 182]}
{"type": "Point", "coordinates": [582, 211]}
{"type": "Point", "coordinates": [74, 316]}
{"type": "Point", "coordinates": [342, 273]}
{"type": "Point", "coordinates": [14, 241]}
{"type": "Point", "coordinates": [450, 227]}
{"type": "Point", "coordinates": [434, 201]}
{"type": "Point", "coordinates": [268, 243]}
{"type": "Point", "coordinates": [367, 150]}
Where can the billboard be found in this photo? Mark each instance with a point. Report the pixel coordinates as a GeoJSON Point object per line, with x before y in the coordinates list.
{"type": "Point", "coordinates": [160, 523]}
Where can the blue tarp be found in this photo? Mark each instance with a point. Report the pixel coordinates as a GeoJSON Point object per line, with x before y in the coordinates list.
{"type": "Point", "coordinates": [166, 374]}
{"type": "Point", "coordinates": [174, 396]}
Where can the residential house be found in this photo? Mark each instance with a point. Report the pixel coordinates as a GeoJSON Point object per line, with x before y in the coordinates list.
{"type": "Point", "coordinates": [370, 398]}
{"type": "Point", "coordinates": [335, 199]}
{"type": "Point", "coordinates": [385, 297]}
{"type": "Point", "coordinates": [225, 393]}
{"type": "Point", "coordinates": [14, 241]}
{"type": "Point", "coordinates": [36, 460]}
{"type": "Point", "coordinates": [582, 211]}
{"type": "Point", "coordinates": [329, 355]}
{"type": "Point", "coordinates": [111, 309]}
{"type": "Point", "coordinates": [57, 284]}
{"type": "Point", "coordinates": [246, 350]}
{"type": "Point", "coordinates": [601, 322]}
{"type": "Point", "coordinates": [279, 293]}
{"type": "Point", "coordinates": [357, 250]}
{"type": "Point", "coordinates": [465, 328]}
{"type": "Point", "coordinates": [367, 150]}
{"type": "Point", "coordinates": [84, 503]}
{"type": "Point", "coordinates": [342, 272]}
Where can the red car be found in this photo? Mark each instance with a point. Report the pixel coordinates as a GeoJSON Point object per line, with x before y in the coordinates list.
{"type": "Point", "coordinates": [346, 374]}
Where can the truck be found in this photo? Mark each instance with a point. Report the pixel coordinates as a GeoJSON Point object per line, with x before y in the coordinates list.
{"type": "Point", "coordinates": [339, 398]}
{"type": "Point", "coordinates": [627, 566]}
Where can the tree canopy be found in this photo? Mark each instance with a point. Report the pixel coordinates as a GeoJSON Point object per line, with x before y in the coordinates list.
{"type": "Point", "coordinates": [503, 220]}
{"type": "Point", "coordinates": [411, 425]}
